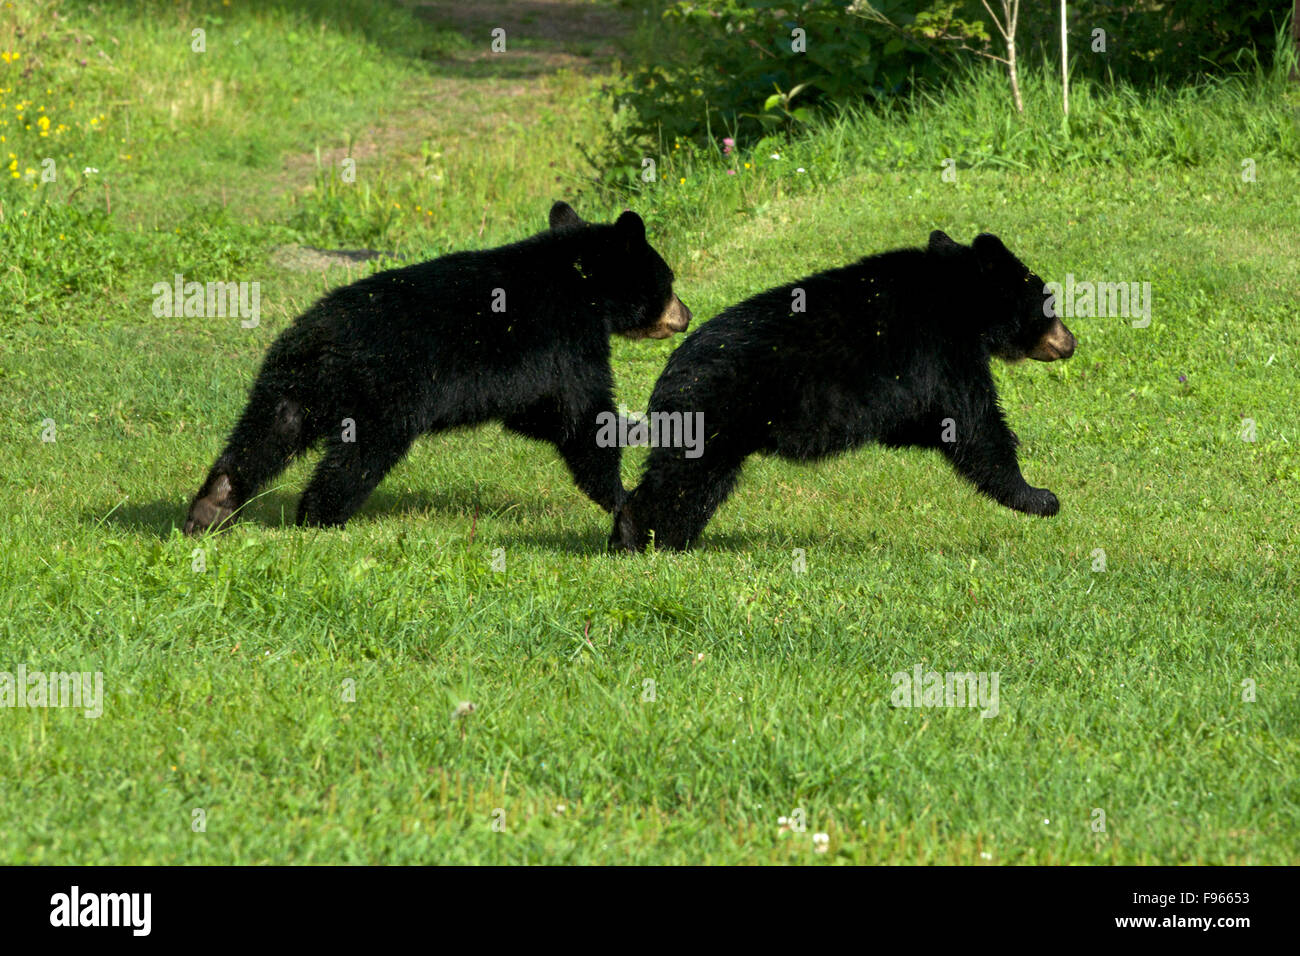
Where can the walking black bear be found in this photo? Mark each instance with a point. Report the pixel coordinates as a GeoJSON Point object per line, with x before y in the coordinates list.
{"type": "Point", "coordinates": [894, 348]}
{"type": "Point", "coordinates": [518, 334]}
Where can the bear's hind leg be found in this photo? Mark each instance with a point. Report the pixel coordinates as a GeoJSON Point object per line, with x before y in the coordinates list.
{"type": "Point", "coordinates": [348, 473]}
{"type": "Point", "coordinates": [269, 435]}
{"type": "Point", "coordinates": [675, 499]}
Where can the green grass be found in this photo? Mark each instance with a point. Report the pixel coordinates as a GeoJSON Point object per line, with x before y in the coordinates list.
{"type": "Point", "coordinates": [1120, 691]}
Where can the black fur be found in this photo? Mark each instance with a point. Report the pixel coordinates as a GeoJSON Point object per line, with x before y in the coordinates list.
{"type": "Point", "coordinates": [419, 349]}
{"type": "Point", "coordinates": [889, 347]}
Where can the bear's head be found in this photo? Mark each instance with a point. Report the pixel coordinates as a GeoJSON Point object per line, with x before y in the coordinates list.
{"type": "Point", "coordinates": [627, 274]}
{"type": "Point", "coordinates": [1015, 311]}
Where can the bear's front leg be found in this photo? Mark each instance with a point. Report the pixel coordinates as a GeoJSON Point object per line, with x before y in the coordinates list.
{"type": "Point", "coordinates": [595, 468]}
{"type": "Point", "coordinates": [983, 450]}
{"type": "Point", "coordinates": [578, 436]}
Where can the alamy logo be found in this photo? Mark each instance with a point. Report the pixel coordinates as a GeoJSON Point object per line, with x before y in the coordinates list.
{"type": "Point", "coordinates": [39, 689]}
{"type": "Point", "coordinates": [103, 909]}
{"type": "Point", "coordinates": [1128, 300]}
{"type": "Point", "coordinates": [213, 300]}
{"type": "Point", "coordinates": [658, 430]}
{"type": "Point", "coordinates": [953, 689]}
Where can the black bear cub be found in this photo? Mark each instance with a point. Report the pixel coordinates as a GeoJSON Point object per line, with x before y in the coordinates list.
{"type": "Point", "coordinates": [517, 334]}
{"type": "Point", "coordinates": [894, 348]}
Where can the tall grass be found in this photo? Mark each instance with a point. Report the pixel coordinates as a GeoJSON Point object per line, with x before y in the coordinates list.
{"type": "Point", "coordinates": [1253, 113]}
{"type": "Point", "coordinates": [1215, 124]}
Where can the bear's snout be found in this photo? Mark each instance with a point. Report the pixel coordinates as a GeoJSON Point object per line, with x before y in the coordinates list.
{"type": "Point", "coordinates": [1057, 343]}
{"type": "Point", "coordinates": [676, 317]}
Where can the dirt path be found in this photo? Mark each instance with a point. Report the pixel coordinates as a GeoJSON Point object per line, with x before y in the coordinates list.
{"type": "Point", "coordinates": [472, 93]}
{"type": "Point", "coordinates": [543, 35]}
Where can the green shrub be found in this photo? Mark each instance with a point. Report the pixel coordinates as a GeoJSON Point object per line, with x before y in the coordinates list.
{"type": "Point", "coordinates": [741, 67]}
{"type": "Point", "coordinates": [729, 68]}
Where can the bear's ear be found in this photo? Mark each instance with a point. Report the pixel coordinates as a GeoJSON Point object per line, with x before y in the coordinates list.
{"type": "Point", "coordinates": [563, 216]}
{"type": "Point", "coordinates": [630, 228]}
{"type": "Point", "coordinates": [990, 252]}
{"type": "Point", "coordinates": [940, 241]}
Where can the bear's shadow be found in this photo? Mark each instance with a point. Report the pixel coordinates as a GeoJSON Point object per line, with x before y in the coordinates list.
{"type": "Point", "coordinates": [277, 509]}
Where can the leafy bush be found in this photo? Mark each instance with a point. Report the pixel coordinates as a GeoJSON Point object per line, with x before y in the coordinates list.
{"type": "Point", "coordinates": [726, 67]}
{"type": "Point", "coordinates": [1151, 42]}
{"type": "Point", "coordinates": [746, 67]}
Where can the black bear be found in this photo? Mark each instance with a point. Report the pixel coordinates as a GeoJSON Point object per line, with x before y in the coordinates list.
{"type": "Point", "coordinates": [518, 334]}
{"type": "Point", "coordinates": [894, 349]}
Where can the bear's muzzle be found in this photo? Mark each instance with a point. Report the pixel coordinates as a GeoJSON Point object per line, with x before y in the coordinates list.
{"type": "Point", "coordinates": [676, 317]}
{"type": "Point", "coordinates": [1057, 343]}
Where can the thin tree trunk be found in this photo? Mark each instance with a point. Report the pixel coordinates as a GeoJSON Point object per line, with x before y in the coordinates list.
{"type": "Point", "coordinates": [1015, 79]}
{"type": "Point", "coordinates": [1065, 64]}
{"type": "Point", "coordinates": [1295, 33]}
{"type": "Point", "coordinates": [1011, 11]}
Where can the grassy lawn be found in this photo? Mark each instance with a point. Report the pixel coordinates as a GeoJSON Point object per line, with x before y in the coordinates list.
{"type": "Point", "coordinates": [298, 687]}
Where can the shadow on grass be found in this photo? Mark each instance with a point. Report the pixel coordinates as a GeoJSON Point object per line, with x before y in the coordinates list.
{"type": "Point", "coordinates": [578, 542]}
{"type": "Point", "coordinates": [277, 509]}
